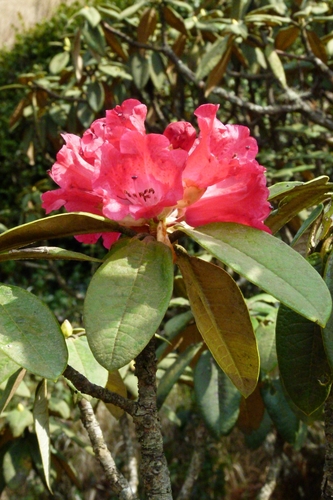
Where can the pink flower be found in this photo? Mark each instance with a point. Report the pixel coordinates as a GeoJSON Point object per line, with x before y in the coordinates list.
{"type": "Point", "coordinates": [119, 171]}
{"type": "Point", "coordinates": [222, 180]}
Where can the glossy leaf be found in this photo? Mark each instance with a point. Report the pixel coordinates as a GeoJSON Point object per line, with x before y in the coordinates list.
{"type": "Point", "coordinates": [85, 114]}
{"type": "Point", "coordinates": [55, 226]}
{"type": "Point", "coordinates": [217, 398]}
{"type": "Point", "coordinates": [285, 420]}
{"type": "Point", "coordinates": [133, 9]}
{"type": "Point", "coordinates": [269, 263]}
{"type": "Point", "coordinates": [117, 47]}
{"type": "Point", "coordinates": [302, 360]}
{"type": "Point", "coordinates": [265, 335]}
{"type": "Point", "coordinates": [292, 201]}
{"type": "Point", "coordinates": [41, 420]}
{"type": "Point", "coordinates": [47, 253]}
{"type": "Point", "coordinates": [19, 419]}
{"type": "Point", "coordinates": [174, 372]}
{"type": "Point", "coordinates": [30, 334]}
{"type": "Point", "coordinates": [94, 38]}
{"type": "Point", "coordinates": [223, 320]}
{"type": "Point", "coordinates": [317, 46]}
{"type": "Point", "coordinates": [126, 301]}
{"type": "Point", "coordinates": [81, 358]}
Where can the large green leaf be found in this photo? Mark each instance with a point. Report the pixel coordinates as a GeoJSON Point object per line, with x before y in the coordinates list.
{"type": "Point", "coordinates": [126, 301]}
{"type": "Point", "coordinates": [302, 360]}
{"type": "Point", "coordinates": [217, 398]}
{"type": "Point", "coordinates": [269, 263]}
{"type": "Point", "coordinates": [56, 226]}
{"type": "Point", "coordinates": [30, 334]}
{"type": "Point", "coordinates": [223, 320]}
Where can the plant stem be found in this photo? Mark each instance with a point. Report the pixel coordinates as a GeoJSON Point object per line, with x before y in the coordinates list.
{"type": "Point", "coordinates": [118, 483]}
{"type": "Point", "coordinates": [154, 469]}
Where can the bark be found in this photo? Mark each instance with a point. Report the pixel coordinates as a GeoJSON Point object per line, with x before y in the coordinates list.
{"type": "Point", "coordinates": [118, 483]}
{"type": "Point", "coordinates": [154, 469]}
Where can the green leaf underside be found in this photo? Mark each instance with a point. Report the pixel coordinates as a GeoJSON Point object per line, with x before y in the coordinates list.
{"type": "Point", "coordinates": [285, 420]}
{"type": "Point", "coordinates": [269, 263]}
{"type": "Point", "coordinates": [302, 360]}
{"type": "Point", "coordinates": [30, 334]}
{"type": "Point", "coordinates": [126, 301]}
{"type": "Point", "coordinates": [47, 253]}
{"type": "Point", "coordinates": [223, 320]}
{"type": "Point", "coordinates": [217, 398]}
{"type": "Point", "coordinates": [41, 419]}
{"type": "Point", "coordinates": [81, 358]}
{"type": "Point", "coordinates": [55, 226]}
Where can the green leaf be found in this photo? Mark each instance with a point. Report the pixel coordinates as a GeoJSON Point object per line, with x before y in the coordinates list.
{"type": "Point", "coordinates": [59, 62]}
{"type": "Point", "coordinates": [223, 320]}
{"type": "Point", "coordinates": [30, 334]}
{"type": "Point", "coordinates": [56, 226]}
{"type": "Point", "coordinates": [258, 436]}
{"type": "Point", "coordinates": [81, 358]}
{"type": "Point", "coordinates": [285, 420]}
{"type": "Point", "coordinates": [19, 419]}
{"type": "Point", "coordinates": [217, 398]}
{"type": "Point", "coordinates": [95, 96]}
{"type": "Point", "coordinates": [265, 334]}
{"type": "Point", "coordinates": [212, 57]}
{"type": "Point", "coordinates": [139, 65]}
{"type": "Point", "coordinates": [294, 197]}
{"type": "Point", "coordinates": [133, 9]}
{"type": "Point", "coordinates": [126, 301]}
{"type": "Point", "coordinates": [95, 39]}
{"type": "Point", "coordinates": [7, 367]}
{"type": "Point", "coordinates": [11, 387]}
{"type": "Point", "coordinates": [85, 114]}
{"type": "Point", "coordinates": [304, 369]}
{"type": "Point", "coordinates": [17, 464]}
{"type": "Point", "coordinates": [327, 332]}
{"type": "Point", "coordinates": [269, 263]}
{"type": "Point", "coordinates": [174, 372]}
{"type": "Point", "coordinates": [41, 419]}
{"type": "Point", "coordinates": [47, 253]}
{"type": "Point", "coordinates": [276, 64]}
{"type": "Point", "coordinates": [91, 14]}
{"type": "Point", "coordinates": [157, 70]}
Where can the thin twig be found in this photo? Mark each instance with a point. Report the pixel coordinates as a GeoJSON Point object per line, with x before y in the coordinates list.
{"type": "Point", "coordinates": [132, 461]}
{"type": "Point", "coordinates": [197, 460]}
{"type": "Point", "coordinates": [274, 470]}
{"type": "Point", "coordinates": [118, 483]}
{"type": "Point", "coordinates": [83, 385]}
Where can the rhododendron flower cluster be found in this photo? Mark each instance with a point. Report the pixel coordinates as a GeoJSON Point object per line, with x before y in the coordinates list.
{"type": "Point", "coordinates": [120, 171]}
